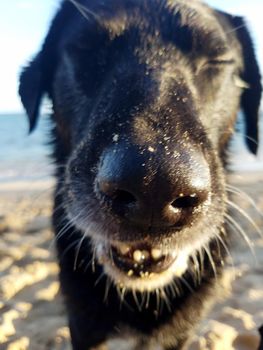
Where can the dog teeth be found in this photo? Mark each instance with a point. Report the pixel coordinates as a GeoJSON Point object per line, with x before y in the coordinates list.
{"type": "Point", "coordinates": [137, 255]}
{"type": "Point", "coordinates": [156, 253]}
{"type": "Point", "coordinates": [144, 274]}
{"type": "Point", "coordinates": [140, 255]}
{"type": "Point", "coordinates": [145, 255]}
{"type": "Point", "coordinates": [124, 249]}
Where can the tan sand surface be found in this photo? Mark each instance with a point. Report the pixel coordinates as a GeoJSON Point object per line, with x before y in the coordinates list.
{"type": "Point", "coordinates": [31, 308]}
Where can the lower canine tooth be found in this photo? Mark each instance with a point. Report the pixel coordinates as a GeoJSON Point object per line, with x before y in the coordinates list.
{"type": "Point", "coordinates": [156, 253]}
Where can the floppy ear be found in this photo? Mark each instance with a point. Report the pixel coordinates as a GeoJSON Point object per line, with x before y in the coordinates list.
{"type": "Point", "coordinates": [31, 90]}
{"type": "Point", "coordinates": [251, 96]}
{"type": "Point", "coordinates": [36, 78]}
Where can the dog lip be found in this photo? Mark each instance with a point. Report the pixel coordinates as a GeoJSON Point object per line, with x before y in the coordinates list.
{"type": "Point", "coordinates": [140, 259]}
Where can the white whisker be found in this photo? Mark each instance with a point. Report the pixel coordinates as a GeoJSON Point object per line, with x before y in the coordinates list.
{"type": "Point", "coordinates": [245, 215]}
{"type": "Point", "coordinates": [99, 279]}
{"type": "Point", "coordinates": [69, 247]}
{"type": "Point", "coordinates": [183, 280]}
{"type": "Point", "coordinates": [134, 293]}
{"type": "Point", "coordinates": [237, 228]}
{"type": "Point", "coordinates": [220, 239]}
{"type": "Point", "coordinates": [107, 289]}
{"type": "Point", "coordinates": [77, 253]}
{"type": "Point", "coordinates": [242, 194]}
{"type": "Point", "coordinates": [157, 294]}
{"type": "Point", "coordinates": [211, 260]}
{"type": "Point", "coordinates": [86, 13]}
{"type": "Point", "coordinates": [166, 299]}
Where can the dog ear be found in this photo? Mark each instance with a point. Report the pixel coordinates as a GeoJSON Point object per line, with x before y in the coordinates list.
{"type": "Point", "coordinates": [31, 90]}
{"type": "Point", "coordinates": [36, 78]}
{"type": "Point", "coordinates": [251, 96]}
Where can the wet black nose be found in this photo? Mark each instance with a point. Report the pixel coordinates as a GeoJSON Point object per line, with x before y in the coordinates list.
{"type": "Point", "coordinates": [150, 189]}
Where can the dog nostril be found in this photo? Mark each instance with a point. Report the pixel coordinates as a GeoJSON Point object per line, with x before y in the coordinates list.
{"type": "Point", "coordinates": [123, 197]}
{"type": "Point", "coordinates": [184, 202]}
{"type": "Point", "coordinates": [109, 191]}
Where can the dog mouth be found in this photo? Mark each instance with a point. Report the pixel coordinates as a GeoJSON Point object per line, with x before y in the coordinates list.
{"type": "Point", "coordinates": [141, 259]}
{"type": "Point", "coordinates": [141, 266]}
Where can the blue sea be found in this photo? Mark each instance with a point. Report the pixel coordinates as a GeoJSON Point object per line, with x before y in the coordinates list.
{"type": "Point", "coordinates": [25, 157]}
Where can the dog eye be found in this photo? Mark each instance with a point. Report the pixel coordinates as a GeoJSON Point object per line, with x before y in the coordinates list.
{"type": "Point", "coordinates": [214, 64]}
{"type": "Point", "coordinates": [221, 61]}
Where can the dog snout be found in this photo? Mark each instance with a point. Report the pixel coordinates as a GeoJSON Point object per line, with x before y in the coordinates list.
{"type": "Point", "coordinates": [153, 191]}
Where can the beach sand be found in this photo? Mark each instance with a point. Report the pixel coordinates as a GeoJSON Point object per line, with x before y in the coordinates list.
{"type": "Point", "coordinates": [32, 315]}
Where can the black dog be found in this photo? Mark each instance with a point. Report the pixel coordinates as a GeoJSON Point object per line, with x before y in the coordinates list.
{"type": "Point", "coordinates": [145, 97]}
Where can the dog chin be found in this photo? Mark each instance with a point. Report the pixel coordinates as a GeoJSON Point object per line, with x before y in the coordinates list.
{"type": "Point", "coordinates": [140, 267]}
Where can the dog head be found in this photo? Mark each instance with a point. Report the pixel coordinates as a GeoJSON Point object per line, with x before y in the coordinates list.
{"type": "Point", "coordinates": [145, 97]}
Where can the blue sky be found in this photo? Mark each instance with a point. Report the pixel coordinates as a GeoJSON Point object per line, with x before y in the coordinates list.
{"type": "Point", "coordinates": [23, 24]}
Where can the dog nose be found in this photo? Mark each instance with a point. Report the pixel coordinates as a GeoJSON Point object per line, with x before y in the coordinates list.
{"type": "Point", "coordinates": [151, 190]}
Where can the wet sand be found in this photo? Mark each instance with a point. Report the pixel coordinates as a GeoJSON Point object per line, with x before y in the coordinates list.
{"type": "Point", "coordinates": [31, 309]}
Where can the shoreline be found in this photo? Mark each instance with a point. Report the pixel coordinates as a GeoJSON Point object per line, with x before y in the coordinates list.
{"type": "Point", "coordinates": [240, 177]}
{"type": "Point", "coordinates": [27, 185]}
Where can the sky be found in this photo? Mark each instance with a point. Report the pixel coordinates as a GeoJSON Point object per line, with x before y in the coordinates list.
{"type": "Point", "coordinates": [23, 24]}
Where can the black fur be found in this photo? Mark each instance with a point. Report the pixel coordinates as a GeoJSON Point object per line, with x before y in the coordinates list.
{"type": "Point", "coordinates": [131, 84]}
{"type": "Point", "coordinates": [261, 338]}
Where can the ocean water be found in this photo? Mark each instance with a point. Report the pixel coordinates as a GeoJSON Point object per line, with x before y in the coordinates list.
{"type": "Point", "coordinates": [240, 158]}
{"type": "Point", "coordinates": [26, 157]}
